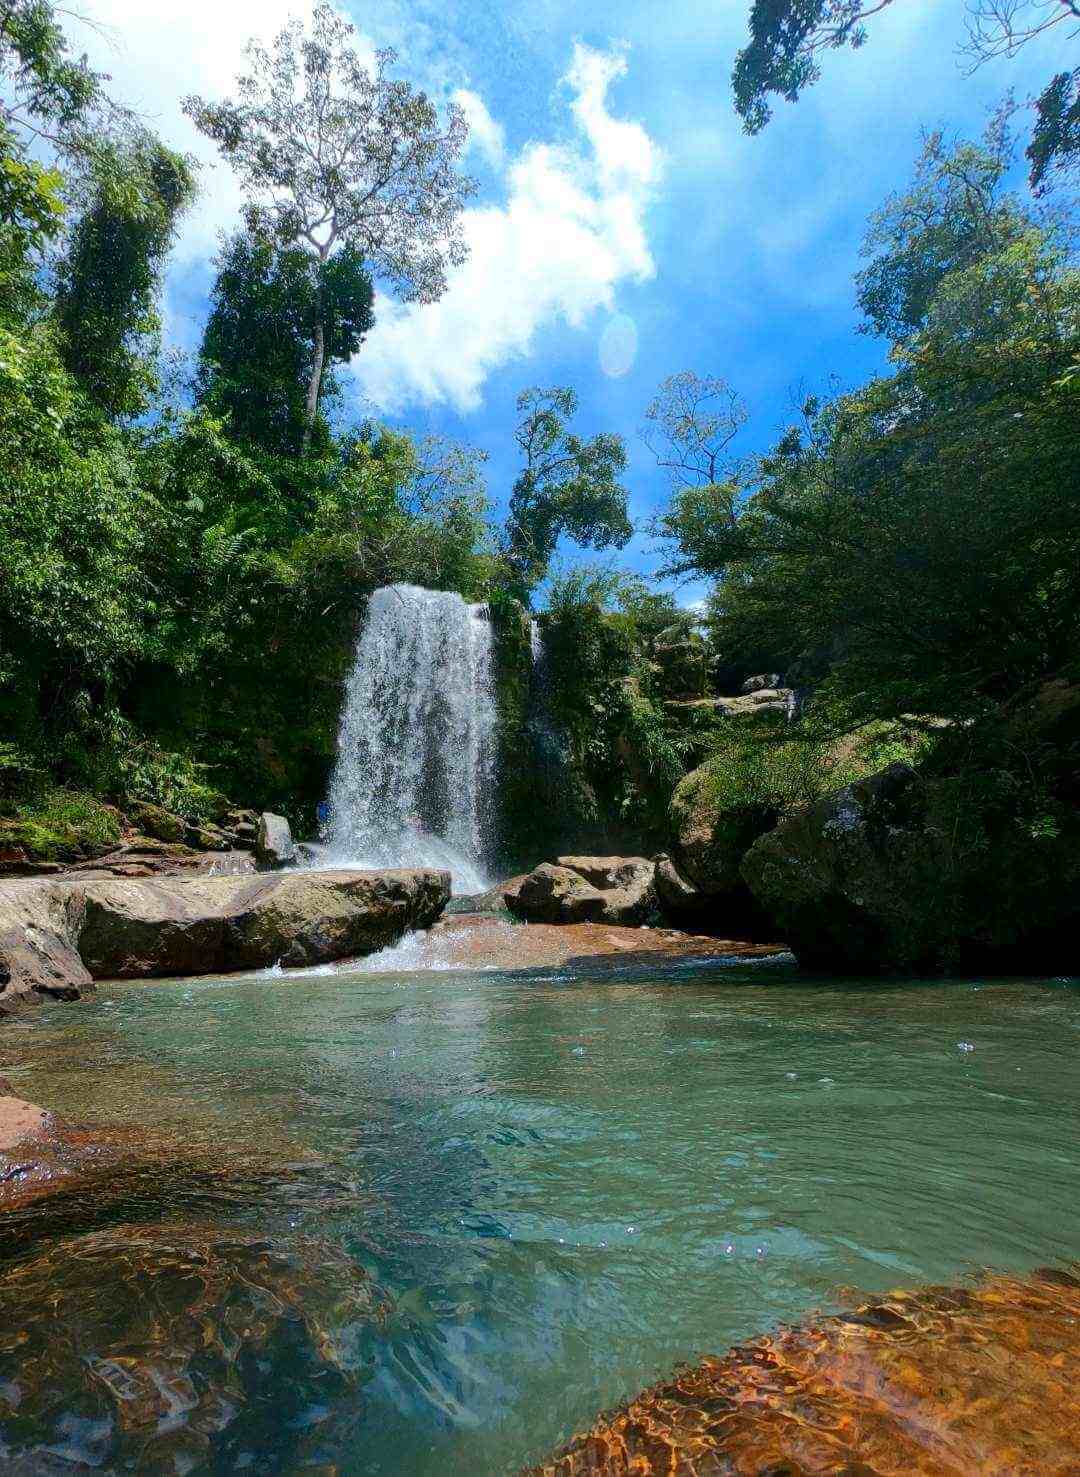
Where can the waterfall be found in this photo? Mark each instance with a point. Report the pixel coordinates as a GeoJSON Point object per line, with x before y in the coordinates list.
{"type": "Point", "coordinates": [414, 782]}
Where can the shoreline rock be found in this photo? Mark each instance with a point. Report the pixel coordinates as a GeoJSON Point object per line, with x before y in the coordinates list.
{"type": "Point", "coordinates": [58, 936]}
{"type": "Point", "coordinates": [487, 941]}
{"type": "Point", "coordinates": [586, 889]}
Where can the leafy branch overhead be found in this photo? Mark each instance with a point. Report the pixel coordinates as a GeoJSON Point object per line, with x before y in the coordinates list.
{"type": "Point", "coordinates": [789, 37]}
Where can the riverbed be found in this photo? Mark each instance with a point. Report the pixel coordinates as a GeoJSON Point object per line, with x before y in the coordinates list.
{"type": "Point", "coordinates": [564, 1183]}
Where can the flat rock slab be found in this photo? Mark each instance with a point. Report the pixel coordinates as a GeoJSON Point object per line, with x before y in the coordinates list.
{"type": "Point", "coordinates": [59, 935]}
{"type": "Point", "coordinates": [480, 941]}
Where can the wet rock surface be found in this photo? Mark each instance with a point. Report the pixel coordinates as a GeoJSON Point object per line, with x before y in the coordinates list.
{"type": "Point", "coordinates": [57, 936]}
{"type": "Point", "coordinates": [582, 889]}
{"type": "Point", "coordinates": [486, 942]}
{"type": "Point", "coordinates": [145, 1348]}
{"type": "Point", "coordinates": [944, 1380]}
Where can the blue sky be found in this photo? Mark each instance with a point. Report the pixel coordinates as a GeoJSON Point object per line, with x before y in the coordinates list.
{"type": "Point", "coordinates": [615, 184]}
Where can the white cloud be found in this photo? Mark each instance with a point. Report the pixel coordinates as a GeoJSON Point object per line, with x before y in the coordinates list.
{"type": "Point", "coordinates": [485, 135]}
{"type": "Point", "coordinates": [569, 230]}
{"type": "Point", "coordinates": [572, 227]}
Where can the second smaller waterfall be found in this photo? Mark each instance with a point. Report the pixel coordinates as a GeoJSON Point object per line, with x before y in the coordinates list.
{"type": "Point", "coordinates": [415, 773]}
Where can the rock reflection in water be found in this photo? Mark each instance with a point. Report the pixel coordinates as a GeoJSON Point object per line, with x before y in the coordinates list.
{"type": "Point", "coordinates": [947, 1381]}
{"type": "Point", "coordinates": [148, 1348]}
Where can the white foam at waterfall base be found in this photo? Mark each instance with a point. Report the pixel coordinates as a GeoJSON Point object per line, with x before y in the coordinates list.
{"type": "Point", "coordinates": [413, 785]}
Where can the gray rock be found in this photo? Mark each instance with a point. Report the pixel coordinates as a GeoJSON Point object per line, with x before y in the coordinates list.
{"type": "Point", "coordinates": [56, 937]}
{"type": "Point", "coordinates": [274, 845]}
{"type": "Point", "coordinates": [761, 681]}
{"type": "Point", "coordinates": [586, 889]}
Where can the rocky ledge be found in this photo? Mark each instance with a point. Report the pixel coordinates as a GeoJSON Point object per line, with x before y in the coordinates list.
{"type": "Point", "coordinates": [59, 935]}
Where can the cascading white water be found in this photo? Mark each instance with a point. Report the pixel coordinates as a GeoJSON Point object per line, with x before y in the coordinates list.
{"type": "Point", "coordinates": [414, 782]}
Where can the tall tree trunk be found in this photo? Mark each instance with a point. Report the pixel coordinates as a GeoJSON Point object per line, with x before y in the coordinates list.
{"type": "Point", "coordinates": [315, 382]}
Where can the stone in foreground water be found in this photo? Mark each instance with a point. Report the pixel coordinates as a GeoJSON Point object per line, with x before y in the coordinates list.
{"type": "Point", "coordinates": [944, 1382]}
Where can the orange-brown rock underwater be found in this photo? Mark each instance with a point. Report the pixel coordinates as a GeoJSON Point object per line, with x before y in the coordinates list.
{"type": "Point", "coordinates": [156, 1302]}
{"type": "Point", "coordinates": [979, 1381]}
{"type": "Point", "coordinates": [147, 1348]}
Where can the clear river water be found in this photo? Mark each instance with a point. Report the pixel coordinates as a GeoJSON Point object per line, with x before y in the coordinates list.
{"type": "Point", "coordinates": [565, 1186]}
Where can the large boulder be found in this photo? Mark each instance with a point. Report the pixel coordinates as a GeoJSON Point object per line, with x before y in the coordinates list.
{"type": "Point", "coordinates": [39, 957]}
{"type": "Point", "coordinates": [908, 872]}
{"type": "Point", "coordinates": [586, 889]}
{"type": "Point", "coordinates": [57, 936]}
{"type": "Point", "coordinates": [700, 884]}
{"type": "Point", "coordinates": [274, 845]}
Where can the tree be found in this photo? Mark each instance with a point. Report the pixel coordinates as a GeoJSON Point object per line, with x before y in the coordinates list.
{"type": "Point", "coordinates": [255, 360]}
{"type": "Point", "coordinates": [691, 423]}
{"type": "Point", "coordinates": [916, 544]}
{"type": "Point", "coordinates": [335, 155]}
{"type": "Point", "coordinates": [47, 98]}
{"type": "Point", "coordinates": [111, 273]}
{"type": "Point", "coordinates": [956, 213]}
{"type": "Point", "coordinates": [788, 38]}
{"type": "Point", "coordinates": [567, 486]}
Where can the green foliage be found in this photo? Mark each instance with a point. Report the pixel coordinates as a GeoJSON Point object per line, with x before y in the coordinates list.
{"type": "Point", "coordinates": [956, 217]}
{"type": "Point", "coordinates": [59, 825]}
{"type": "Point", "coordinates": [568, 487]}
{"type": "Point", "coordinates": [73, 525]}
{"type": "Point", "coordinates": [788, 37]}
{"type": "Point", "coordinates": [334, 154]}
{"type": "Point", "coordinates": [44, 95]}
{"type": "Point", "coordinates": [773, 767]}
{"type": "Point", "coordinates": [1055, 140]}
{"type": "Point", "coordinates": [255, 361]}
{"type": "Point", "coordinates": [624, 749]}
{"type": "Point", "coordinates": [915, 542]}
{"type": "Point", "coordinates": [110, 274]}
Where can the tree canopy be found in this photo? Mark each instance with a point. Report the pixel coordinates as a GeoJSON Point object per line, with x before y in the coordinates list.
{"type": "Point", "coordinates": [912, 545]}
{"type": "Point", "coordinates": [334, 154]}
{"type": "Point", "coordinates": [255, 360]}
{"type": "Point", "coordinates": [110, 273]}
{"type": "Point", "coordinates": [568, 486]}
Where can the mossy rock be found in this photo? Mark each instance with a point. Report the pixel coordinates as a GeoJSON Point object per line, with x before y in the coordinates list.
{"type": "Point", "coordinates": [911, 873]}
{"type": "Point", "coordinates": [155, 821]}
{"type": "Point", "coordinates": [61, 826]}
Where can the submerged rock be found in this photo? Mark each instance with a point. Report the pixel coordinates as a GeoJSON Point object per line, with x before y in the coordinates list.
{"type": "Point", "coordinates": [161, 1347]}
{"type": "Point", "coordinates": [56, 937]}
{"type": "Point", "coordinates": [586, 889]}
{"type": "Point", "coordinates": [942, 1380]}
